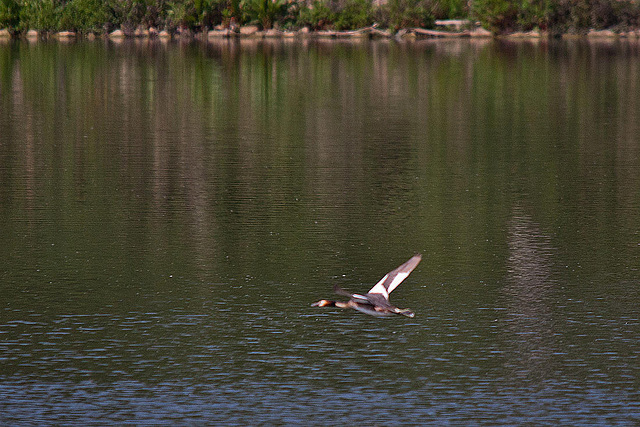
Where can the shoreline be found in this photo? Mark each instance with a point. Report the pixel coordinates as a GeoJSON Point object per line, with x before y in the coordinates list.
{"type": "Point", "coordinates": [253, 32]}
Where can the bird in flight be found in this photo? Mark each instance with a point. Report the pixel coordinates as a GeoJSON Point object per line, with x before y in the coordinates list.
{"type": "Point", "coordinates": [376, 301]}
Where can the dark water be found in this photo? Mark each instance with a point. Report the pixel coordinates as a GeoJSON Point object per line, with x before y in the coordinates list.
{"type": "Point", "coordinates": [168, 212]}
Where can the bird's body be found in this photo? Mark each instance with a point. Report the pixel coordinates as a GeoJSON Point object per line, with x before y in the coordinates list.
{"type": "Point", "coordinates": [376, 301]}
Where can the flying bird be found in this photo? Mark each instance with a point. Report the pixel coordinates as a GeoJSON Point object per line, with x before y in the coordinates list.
{"type": "Point", "coordinates": [376, 301]}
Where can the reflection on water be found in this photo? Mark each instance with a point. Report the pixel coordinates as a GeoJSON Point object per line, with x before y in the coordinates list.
{"type": "Point", "coordinates": [168, 211]}
{"type": "Point", "coordinates": [529, 291]}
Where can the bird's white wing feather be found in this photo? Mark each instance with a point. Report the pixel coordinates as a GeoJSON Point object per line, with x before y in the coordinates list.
{"type": "Point", "coordinates": [393, 279]}
{"type": "Point", "coordinates": [379, 288]}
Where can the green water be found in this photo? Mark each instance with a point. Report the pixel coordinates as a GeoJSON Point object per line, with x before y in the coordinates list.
{"type": "Point", "coordinates": [168, 213]}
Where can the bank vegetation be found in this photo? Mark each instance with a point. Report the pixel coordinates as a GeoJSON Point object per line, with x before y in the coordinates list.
{"type": "Point", "coordinates": [96, 17]}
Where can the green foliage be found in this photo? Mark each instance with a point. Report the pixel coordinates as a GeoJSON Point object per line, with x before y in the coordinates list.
{"type": "Point", "coordinates": [317, 16]}
{"type": "Point", "coordinates": [533, 14]}
{"type": "Point", "coordinates": [231, 12]}
{"type": "Point", "coordinates": [85, 15]}
{"type": "Point", "coordinates": [40, 14]}
{"type": "Point", "coordinates": [9, 14]}
{"type": "Point", "coordinates": [448, 9]}
{"type": "Point", "coordinates": [133, 13]}
{"type": "Point", "coordinates": [181, 14]}
{"type": "Point", "coordinates": [628, 14]}
{"type": "Point", "coordinates": [571, 16]}
{"type": "Point", "coordinates": [199, 14]}
{"type": "Point", "coordinates": [354, 14]}
{"type": "Point", "coordinates": [161, 13]}
{"type": "Point", "coordinates": [497, 15]}
{"type": "Point", "coordinates": [264, 12]}
{"type": "Point", "coordinates": [407, 13]}
{"type": "Point", "coordinates": [557, 16]}
{"type": "Point", "coordinates": [209, 12]}
{"type": "Point", "coordinates": [349, 15]}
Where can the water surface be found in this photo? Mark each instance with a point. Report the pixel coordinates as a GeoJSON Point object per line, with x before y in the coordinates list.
{"type": "Point", "coordinates": [168, 212]}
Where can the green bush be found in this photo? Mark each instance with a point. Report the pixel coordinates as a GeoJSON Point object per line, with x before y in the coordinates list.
{"type": "Point", "coordinates": [209, 12]}
{"type": "Point", "coordinates": [264, 12]}
{"type": "Point", "coordinates": [497, 15]}
{"type": "Point", "coordinates": [9, 14]}
{"type": "Point", "coordinates": [508, 15]}
{"type": "Point", "coordinates": [41, 15]}
{"type": "Point", "coordinates": [231, 12]}
{"type": "Point", "coordinates": [628, 13]}
{"type": "Point", "coordinates": [85, 16]}
{"type": "Point", "coordinates": [578, 16]}
{"type": "Point", "coordinates": [398, 14]}
{"type": "Point", "coordinates": [317, 16]}
{"type": "Point", "coordinates": [564, 16]}
{"type": "Point", "coordinates": [557, 16]}
{"type": "Point", "coordinates": [192, 14]}
{"type": "Point", "coordinates": [354, 14]}
{"type": "Point", "coordinates": [533, 14]}
{"type": "Point", "coordinates": [449, 9]}
{"type": "Point", "coordinates": [130, 14]}
{"type": "Point", "coordinates": [181, 14]}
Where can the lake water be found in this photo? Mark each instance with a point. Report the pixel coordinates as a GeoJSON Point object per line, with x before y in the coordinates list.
{"type": "Point", "coordinates": [168, 213]}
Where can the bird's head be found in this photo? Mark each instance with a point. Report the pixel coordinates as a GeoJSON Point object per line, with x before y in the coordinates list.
{"type": "Point", "coordinates": [324, 303]}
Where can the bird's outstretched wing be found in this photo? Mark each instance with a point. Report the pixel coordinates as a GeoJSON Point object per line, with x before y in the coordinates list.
{"type": "Point", "coordinates": [391, 281]}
